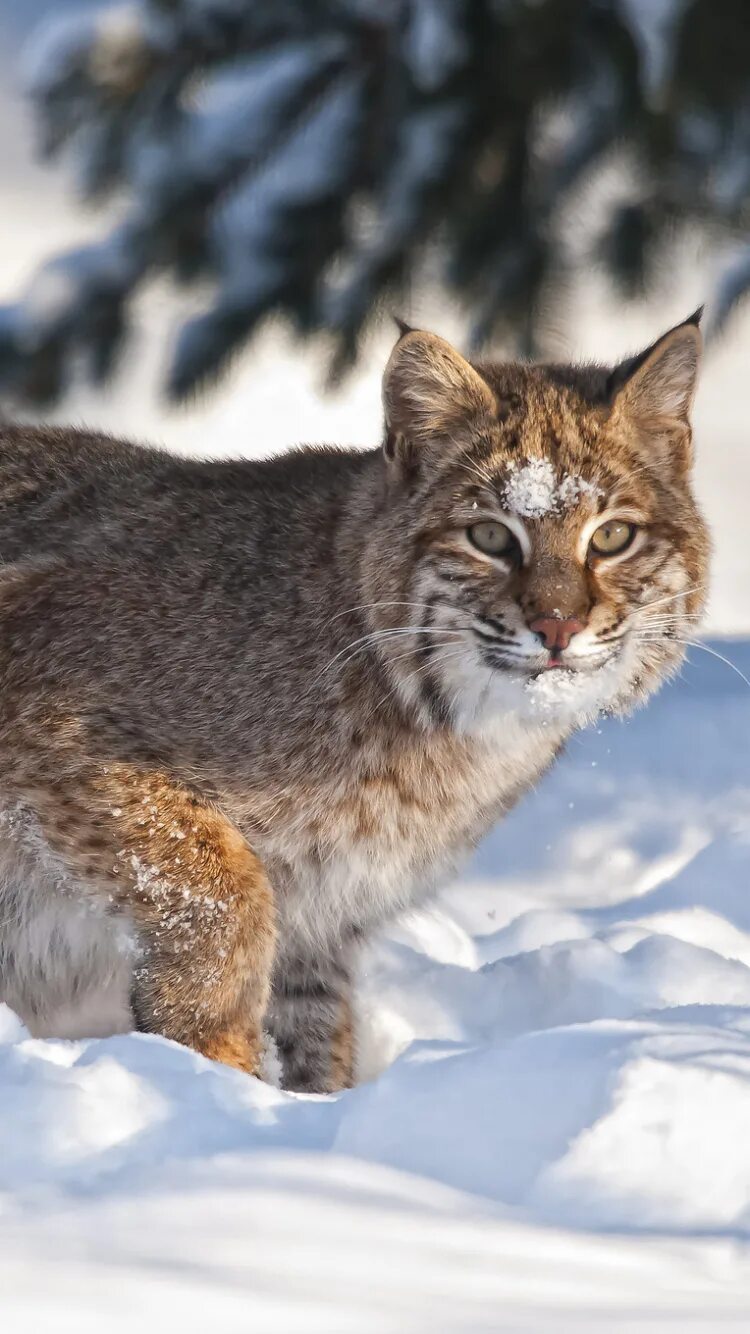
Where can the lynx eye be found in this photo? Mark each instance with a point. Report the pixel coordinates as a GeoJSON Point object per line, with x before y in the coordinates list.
{"type": "Point", "coordinates": [493, 538]}
{"type": "Point", "coordinates": [612, 537]}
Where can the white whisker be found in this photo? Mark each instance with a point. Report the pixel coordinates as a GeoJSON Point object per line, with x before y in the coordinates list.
{"type": "Point", "coordinates": [692, 643]}
{"type": "Point", "coordinates": [479, 473]}
{"type": "Point", "coordinates": [368, 606]}
{"type": "Point", "coordinates": [424, 667]}
{"type": "Point", "coordinates": [376, 636]}
{"type": "Point", "coordinates": [671, 597]}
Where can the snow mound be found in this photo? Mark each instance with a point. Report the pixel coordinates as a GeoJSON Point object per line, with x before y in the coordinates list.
{"type": "Point", "coordinates": [551, 1131]}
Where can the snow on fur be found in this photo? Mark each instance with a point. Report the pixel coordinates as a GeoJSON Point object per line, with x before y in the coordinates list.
{"type": "Point", "coordinates": [533, 489]}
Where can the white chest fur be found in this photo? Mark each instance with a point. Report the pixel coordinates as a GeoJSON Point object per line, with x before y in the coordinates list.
{"type": "Point", "coordinates": [374, 844]}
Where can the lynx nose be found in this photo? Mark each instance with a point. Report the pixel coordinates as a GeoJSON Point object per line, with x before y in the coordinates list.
{"type": "Point", "coordinates": [554, 632]}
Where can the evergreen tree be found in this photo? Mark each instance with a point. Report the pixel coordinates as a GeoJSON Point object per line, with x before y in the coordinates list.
{"type": "Point", "coordinates": [302, 156]}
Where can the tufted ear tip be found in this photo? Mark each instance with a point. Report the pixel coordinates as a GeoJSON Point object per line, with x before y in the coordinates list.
{"type": "Point", "coordinates": [402, 326]}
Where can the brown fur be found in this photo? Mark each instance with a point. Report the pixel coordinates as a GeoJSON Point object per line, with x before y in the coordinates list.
{"type": "Point", "coordinates": [343, 1050]}
{"type": "Point", "coordinates": [250, 710]}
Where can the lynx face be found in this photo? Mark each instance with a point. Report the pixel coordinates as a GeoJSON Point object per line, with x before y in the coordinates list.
{"type": "Point", "coordinates": [551, 558]}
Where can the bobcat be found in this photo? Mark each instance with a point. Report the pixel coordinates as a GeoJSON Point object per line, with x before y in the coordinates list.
{"type": "Point", "coordinates": [250, 710]}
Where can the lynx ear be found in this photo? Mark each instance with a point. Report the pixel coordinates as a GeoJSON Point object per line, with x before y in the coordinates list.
{"type": "Point", "coordinates": [657, 388]}
{"type": "Point", "coordinates": [429, 393]}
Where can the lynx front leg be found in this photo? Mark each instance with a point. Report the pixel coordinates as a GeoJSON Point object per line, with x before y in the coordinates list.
{"type": "Point", "coordinates": [310, 1019]}
{"type": "Point", "coordinates": [198, 897]}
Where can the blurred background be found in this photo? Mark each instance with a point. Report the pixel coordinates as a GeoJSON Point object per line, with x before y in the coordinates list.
{"type": "Point", "coordinates": [211, 207]}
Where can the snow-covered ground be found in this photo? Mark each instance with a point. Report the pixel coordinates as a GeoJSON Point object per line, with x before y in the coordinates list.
{"type": "Point", "coordinates": [552, 1131]}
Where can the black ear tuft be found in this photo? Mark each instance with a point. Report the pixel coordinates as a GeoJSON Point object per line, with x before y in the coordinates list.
{"type": "Point", "coordinates": [402, 326]}
{"type": "Point", "coordinates": [696, 317]}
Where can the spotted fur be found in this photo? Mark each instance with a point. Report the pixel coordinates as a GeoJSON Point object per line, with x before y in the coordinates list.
{"type": "Point", "coordinates": [250, 711]}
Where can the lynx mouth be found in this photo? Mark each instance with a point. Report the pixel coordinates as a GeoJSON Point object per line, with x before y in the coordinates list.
{"type": "Point", "coordinates": [529, 667]}
{"type": "Point", "coordinates": [573, 669]}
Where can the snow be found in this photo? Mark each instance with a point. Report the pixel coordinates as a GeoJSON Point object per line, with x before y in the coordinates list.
{"type": "Point", "coordinates": [435, 42]}
{"type": "Point", "coordinates": [61, 44]}
{"type": "Point", "coordinates": [551, 1128]}
{"type": "Point", "coordinates": [573, 694]}
{"type": "Point", "coordinates": [534, 489]}
{"type": "Point", "coordinates": [652, 24]}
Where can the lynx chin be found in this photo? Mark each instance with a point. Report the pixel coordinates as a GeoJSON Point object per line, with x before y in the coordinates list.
{"type": "Point", "coordinates": [251, 710]}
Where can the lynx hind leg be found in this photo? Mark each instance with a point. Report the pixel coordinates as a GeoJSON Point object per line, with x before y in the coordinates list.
{"type": "Point", "coordinates": [198, 896]}
{"type": "Point", "coordinates": [310, 1018]}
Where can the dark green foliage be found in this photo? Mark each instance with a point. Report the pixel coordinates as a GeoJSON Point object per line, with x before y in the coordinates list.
{"type": "Point", "coordinates": [303, 155]}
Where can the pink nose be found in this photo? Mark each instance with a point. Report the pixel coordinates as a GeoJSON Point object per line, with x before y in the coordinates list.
{"type": "Point", "coordinates": [555, 632]}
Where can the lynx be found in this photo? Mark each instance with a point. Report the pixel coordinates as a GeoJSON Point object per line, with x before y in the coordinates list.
{"type": "Point", "coordinates": [251, 710]}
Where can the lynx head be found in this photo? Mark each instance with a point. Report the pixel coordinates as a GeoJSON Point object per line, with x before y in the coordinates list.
{"type": "Point", "coordinates": [540, 548]}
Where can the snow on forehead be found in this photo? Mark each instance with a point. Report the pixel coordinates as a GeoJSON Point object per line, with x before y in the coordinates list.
{"type": "Point", "coordinates": [532, 489]}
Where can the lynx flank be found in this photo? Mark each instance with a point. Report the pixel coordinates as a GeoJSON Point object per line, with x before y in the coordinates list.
{"type": "Point", "coordinates": [250, 710]}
